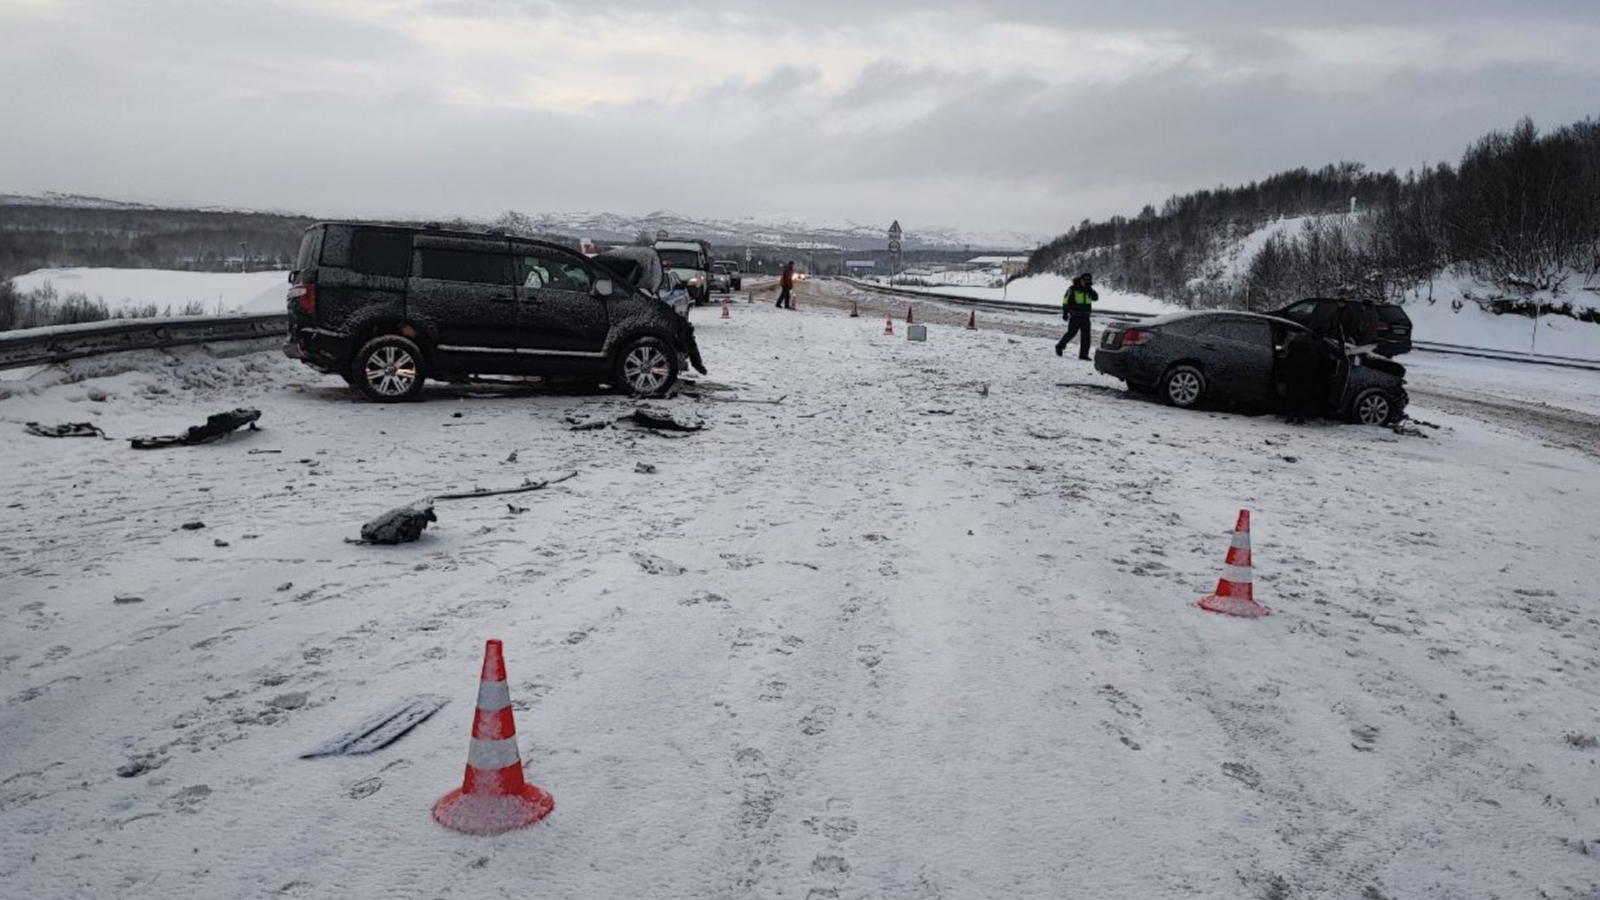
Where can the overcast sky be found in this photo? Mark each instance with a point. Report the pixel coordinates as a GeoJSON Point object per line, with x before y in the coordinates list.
{"type": "Point", "coordinates": [1024, 115]}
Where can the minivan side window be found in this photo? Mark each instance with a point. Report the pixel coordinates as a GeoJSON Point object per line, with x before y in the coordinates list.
{"type": "Point", "coordinates": [542, 271]}
{"type": "Point", "coordinates": [466, 265]}
{"type": "Point", "coordinates": [381, 253]}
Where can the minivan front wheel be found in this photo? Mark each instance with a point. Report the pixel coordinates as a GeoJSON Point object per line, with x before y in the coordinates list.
{"type": "Point", "coordinates": [1372, 407]}
{"type": "Point", "coordinates": [1183, 386]}
{"type": "Point", "coordinates": [647, 366]}
{"type": "Point", "coordinates": [388, 369]}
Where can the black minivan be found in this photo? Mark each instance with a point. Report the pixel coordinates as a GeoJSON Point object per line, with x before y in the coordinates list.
{"type": "Point", "coordinates": [388, 306]}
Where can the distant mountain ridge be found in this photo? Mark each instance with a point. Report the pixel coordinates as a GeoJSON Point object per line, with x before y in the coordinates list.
{"type": "Point", "coordinates": [620, 228]}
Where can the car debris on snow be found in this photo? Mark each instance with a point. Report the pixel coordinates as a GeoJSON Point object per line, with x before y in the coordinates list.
{"type": "Point", "coordinates": [400, 525]}
{"type": "Point", "coordinates": [663, 420]}
{"type": "Point", "coordinates": [525, 487]}
{"type": "Point", "coordinates": [68, 429]}
{"type": "Point", "coordinates": [644, 468]}
{"type": "Point", "coordinates": [124, 599]}
{"type": "Point", "coordinates": [192, 526]}
{"type": "Point", "coordinates": [216, 426]}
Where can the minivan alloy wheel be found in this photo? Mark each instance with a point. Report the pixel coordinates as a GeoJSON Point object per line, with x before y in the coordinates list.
{"type": "Point", "coordinates": [646, 369]}
{"type": "Point", "coordinates": [391, 371]}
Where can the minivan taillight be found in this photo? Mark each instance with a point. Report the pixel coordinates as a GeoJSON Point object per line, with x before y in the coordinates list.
{"type": "Point", "coordinates": [304, 296]}
{"type": "Point", "coordinates": [1133, 337]}
{"type": "Point", "coordinates": [1382, 325]}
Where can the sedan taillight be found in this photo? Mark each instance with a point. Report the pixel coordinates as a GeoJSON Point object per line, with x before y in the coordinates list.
{"type": "Point", "coordinates": [1133, 337]}
{"type": "Point", "coordinates": [304, 296]}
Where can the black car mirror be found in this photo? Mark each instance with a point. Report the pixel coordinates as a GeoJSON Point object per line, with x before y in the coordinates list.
{"type": "Point", "coordinates": [602, 288]}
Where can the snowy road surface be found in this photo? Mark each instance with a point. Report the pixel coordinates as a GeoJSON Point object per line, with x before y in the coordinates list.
{"type": "Point", "coordinates": [893, 637]}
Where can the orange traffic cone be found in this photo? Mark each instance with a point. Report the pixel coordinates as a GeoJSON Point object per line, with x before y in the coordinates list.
{"type": "Point", "coordinates": [910, 318]}
{"type": "Point", "coordinates": [854, 313]}
{"type": "Point", "coordinates": [888, 325]}
{"type": "Point", "coordinates": [972, 321]}
{"type": "Point", "coordinates": [1235, 595]}
{"type": "Point", "coordinates": [493, 796]}
{"type": "Point", "coordinates": [725, 309]}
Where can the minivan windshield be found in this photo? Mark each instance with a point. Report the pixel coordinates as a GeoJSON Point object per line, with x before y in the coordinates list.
{"type": "Point", "coordinates": [681, 259]}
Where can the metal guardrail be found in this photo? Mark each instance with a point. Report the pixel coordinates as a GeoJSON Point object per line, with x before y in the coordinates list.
{"type": "Point", "coordinates": [1517, 356]}
{"type": "Point", "coordinates": [44, 346]}
{"type": "Point", "coordinates": [982, 303]}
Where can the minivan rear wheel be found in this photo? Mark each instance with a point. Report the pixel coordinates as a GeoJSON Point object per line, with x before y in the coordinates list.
{"type": "Point", "coordinates": [1183, 386]}
{"type": "Point", "coordinates": [647, 366]}
{"type": "Point", "coordinates": [388, 369]}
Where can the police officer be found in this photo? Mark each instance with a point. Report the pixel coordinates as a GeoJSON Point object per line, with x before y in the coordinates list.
{"type": "Point", "coordinates": [1075, 307]}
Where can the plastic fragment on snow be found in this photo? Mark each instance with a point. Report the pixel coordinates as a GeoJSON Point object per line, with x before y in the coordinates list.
{"type": "Point", "coordinates": [216, 426]}
{"type": "Point", "coordinates": [381, 729]}
{"type": "Point", "coordinates": [400, 525]}
{"type": "Point", "coordinates": [68, 429]}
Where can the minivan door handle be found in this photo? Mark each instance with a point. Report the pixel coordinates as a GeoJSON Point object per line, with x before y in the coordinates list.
{"type": "Point", "coordinates": [505, 298]}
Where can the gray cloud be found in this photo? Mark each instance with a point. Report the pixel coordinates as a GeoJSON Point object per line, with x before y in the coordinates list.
{"type": "Point", "coordinates": [825, 110]}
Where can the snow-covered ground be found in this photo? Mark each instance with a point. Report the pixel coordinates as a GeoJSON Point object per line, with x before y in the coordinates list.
{"type": "Point", "coordinates": [251, 292]}
{"type": "Point", "coordinates": [925, 628]}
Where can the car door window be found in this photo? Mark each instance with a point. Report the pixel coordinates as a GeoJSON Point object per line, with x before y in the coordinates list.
{"type": "Point", "coordinates": [1241, 331]}
{"type": "Point", "coordinates": [553, 273]}
{"type": "Point", "coordinates": [1303, 308]}
{"type": "Point", "coordinates": [472, 266]}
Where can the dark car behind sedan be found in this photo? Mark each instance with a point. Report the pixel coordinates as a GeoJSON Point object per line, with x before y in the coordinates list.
{"type": "Point", "coordinates": [1391, 328]}
{"type": "Point", "coordinates": [1236, 359]}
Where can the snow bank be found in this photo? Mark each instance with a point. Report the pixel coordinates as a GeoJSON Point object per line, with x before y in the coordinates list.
{"type": "Point", "coordinates": [1456, 316]}
{"type": "Point", "coordinates": [1047, 290]}
{"type": "Point", "coordinates": [122, 288]}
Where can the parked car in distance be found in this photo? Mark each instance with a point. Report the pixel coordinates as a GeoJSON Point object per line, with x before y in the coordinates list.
{"type": "Point", "coordinates": [691, 259]}
{"type": "Point", "coordinates": [1236, 358]}
{"type": "Point", "coordinates": [1392, 330]}
{"type": "Point", "coordinates": [721, 278]}
{"type": "Point", "coordinates": [735, 276]}
{"type": "Point", "coordinates": [641, 267]}
{"type": "Point", "coordinates": [389, 306]}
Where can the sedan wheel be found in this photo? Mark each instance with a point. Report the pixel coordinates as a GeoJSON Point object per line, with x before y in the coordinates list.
{"type": "Point", "coordinates": [1184, 386]}
{"type": "Point", "coordinates": [1373, 408]}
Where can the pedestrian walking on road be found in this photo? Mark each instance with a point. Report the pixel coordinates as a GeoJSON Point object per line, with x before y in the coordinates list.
{"type": "Point", "coordinates": [1075, 307]}
{"type": "Point", "coordinates": [786, 282]}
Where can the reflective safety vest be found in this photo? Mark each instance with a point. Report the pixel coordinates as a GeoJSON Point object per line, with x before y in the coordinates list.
{"type": "Point", "coordinates": [1077, 297]}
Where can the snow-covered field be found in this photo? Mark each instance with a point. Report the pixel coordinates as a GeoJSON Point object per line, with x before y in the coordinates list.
{"type": "Point", "coordinates": [228, 292]}
{"type": "Point", "coordinates": [1046, 290]}
{"type": "Point", "coordinates": [923, 629]}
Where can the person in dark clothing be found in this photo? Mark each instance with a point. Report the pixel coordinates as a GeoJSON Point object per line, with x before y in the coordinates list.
{"type": "Point", "coordinates": [1367, 328]}
{"type": "Point", "coordinates": [1076, 305]}
{"type": "Point", "coordinates": [1347, 322]}
{"type": "Point", "coordinates": [786, 282]}
{"type": "Point", "coordinates": [1305, 375]}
